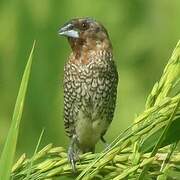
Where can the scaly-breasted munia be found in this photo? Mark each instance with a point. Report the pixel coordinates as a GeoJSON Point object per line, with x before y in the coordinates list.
{"type": "Point", "coordinates": [90, 85]}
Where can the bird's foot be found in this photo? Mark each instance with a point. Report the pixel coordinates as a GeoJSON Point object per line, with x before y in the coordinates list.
{"type": "Point", "coordinates": [73, 156]}
{"type": "Point", "coordinates": [107, 146]}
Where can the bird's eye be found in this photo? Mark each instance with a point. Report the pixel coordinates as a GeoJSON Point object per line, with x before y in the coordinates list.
{"type": "Point", "coordinates": [84, 25]}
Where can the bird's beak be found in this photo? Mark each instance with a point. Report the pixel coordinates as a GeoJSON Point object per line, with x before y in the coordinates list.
{"type": "Point", "coordinates": [68, 31]}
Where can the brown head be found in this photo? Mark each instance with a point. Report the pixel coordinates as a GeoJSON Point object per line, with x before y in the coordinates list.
{"type": "Point", "coordinates": [86, 34]}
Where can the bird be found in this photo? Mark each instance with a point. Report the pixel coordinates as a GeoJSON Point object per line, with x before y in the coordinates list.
{"type": "Point", "coordinates": [90, 85]}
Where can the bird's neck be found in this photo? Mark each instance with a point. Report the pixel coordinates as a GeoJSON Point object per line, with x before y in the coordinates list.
{"type": "Point", "coordinates": [83, 50]}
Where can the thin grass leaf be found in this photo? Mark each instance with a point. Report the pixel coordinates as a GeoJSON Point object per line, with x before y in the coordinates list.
{"type": "Point", "coordinates": [165, 165]}
{"type": "Point", "coordinates": [31, 162]}
{"type": "Point", "coordinates": [8, 152]}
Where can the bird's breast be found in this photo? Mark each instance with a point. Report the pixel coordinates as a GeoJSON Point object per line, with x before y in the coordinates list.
{"type": "Point", "coordinates": [89, 130]}
{"type": "Point", "coordinates": [88, 98]}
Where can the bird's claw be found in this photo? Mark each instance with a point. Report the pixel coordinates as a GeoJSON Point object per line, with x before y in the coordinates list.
{"type": "Point", "coordinates": [73, 154]}
{"type": "Point", "coordinates": [71, 158]}
{"type": "Point", "coordinates": [107, 146]}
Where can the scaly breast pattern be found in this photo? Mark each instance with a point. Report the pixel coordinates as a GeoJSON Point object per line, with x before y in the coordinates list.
{"type": "Point", "coordinates": [89, 98]}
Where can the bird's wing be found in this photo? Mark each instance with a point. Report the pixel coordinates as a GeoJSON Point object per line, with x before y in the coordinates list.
{"type": "Point", "coordinates": [111, 79]}
{"type": "Point", "coordinates": [72, 99]}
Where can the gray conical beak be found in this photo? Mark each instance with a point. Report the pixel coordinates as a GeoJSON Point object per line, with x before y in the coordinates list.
{"type": "Point", "coordinates": [68, 31]}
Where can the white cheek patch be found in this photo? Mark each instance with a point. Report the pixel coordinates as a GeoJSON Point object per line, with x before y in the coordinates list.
{"type": "Point", "coordinates": [70, 33]}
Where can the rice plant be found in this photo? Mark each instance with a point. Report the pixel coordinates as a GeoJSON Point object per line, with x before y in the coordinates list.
{"type": "Point", "coordinates": [145, 150]}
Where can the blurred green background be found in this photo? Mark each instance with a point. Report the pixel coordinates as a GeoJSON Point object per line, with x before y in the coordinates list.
{"type": "Point", "coordinates": [143, 35]}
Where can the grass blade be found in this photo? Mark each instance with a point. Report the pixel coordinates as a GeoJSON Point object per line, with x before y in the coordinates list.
{"type": "Point", "coordinates": [9, 149]}
{"type": "Point", "coordinates": [31, 162]}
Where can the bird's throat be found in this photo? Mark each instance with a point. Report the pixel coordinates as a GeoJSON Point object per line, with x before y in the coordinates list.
{"type": "Point", "coordinates": [82, 49]}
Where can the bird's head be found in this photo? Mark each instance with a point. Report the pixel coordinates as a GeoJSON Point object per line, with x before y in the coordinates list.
{"type": "Point", "coordinates": [85, 32]}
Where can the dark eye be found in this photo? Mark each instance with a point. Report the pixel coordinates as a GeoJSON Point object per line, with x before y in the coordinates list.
{"type": "Point", "coordinates": [84, 25]}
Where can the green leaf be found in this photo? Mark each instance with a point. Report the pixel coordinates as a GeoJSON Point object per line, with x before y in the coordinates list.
{"type": "Point", "coordinates": [172, 136]}
{"type": "Point", "coordinates": [9, 149]}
